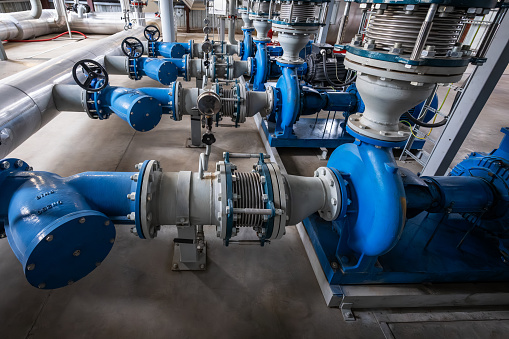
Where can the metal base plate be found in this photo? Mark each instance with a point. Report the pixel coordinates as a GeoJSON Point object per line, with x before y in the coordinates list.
{"type": "Point", "coordinates": [200, 265]}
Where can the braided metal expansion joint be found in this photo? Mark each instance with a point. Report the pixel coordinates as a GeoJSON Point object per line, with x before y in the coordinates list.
{"type": "Point", "coordinates": [256, 200]}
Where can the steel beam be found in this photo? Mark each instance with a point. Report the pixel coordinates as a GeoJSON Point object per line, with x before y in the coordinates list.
{"type": "Point", "coordinates": [469, 105]}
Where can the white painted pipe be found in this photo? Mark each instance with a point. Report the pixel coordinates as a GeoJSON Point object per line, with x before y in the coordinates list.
{"type": "Point", "coordinates": [36, 9]}
{"type": "Point", "coordinates": [167, 20]}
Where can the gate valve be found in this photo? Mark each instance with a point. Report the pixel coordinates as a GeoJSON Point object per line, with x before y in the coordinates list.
{"type": "Point", "coordinates": [152, 33]}
{"type": "Point", "coordinates": [96, 76]}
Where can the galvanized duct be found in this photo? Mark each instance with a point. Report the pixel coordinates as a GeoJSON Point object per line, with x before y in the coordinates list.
{"type": "Point", "coordinates": [27, 98]}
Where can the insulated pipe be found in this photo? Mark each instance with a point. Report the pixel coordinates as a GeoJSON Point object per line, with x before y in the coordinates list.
{"type": "Point", "coordinates": [167, 20]}
{"type": "Point", "coordinates": [27, 100]}
{"type": "Point", "coordinates": [36, 9]}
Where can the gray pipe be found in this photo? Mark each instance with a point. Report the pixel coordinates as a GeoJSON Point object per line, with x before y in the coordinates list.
{"type": "Point", "coordinates": [167, 20]}
{"type": "Point", "coordinates": [27, 98]}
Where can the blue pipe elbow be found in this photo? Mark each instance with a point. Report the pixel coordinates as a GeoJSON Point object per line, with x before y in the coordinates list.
{"type": "Point", "coordinates": [139, 110]}
{"type": "Point", "coordinates": [377, 214]}
{"type": "Point", "coordinates": [262, 65]}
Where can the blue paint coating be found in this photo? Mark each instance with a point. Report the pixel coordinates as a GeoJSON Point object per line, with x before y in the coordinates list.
{"type": "Point", "coordinates": [461, 236]}
{"type": "Point", "coordinates": [171, 49]}
{"type": "Point", "coordinates": [459, 3]}
{"type": "Point", "coordinates": [141, 111]}
{"type": "Point", "coordinates": [375, 226]}
{"type": "Point", "coordinates": [61, 229]}
{"type": "Point", "coordinates": [262, 65]}
{"type": "Point", "coordinates": [248, 47]}
{"type": "Point", "coordinates": [288, 90]}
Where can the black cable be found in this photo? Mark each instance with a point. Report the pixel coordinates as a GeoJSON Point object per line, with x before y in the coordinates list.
{"type": "Point", "coordinates": [332, 83]}
{"type": "Point", "coordinates": [423, 124]}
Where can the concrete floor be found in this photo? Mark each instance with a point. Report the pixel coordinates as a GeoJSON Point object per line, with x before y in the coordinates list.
{"type": "Point", "coordinates": [246, 292]}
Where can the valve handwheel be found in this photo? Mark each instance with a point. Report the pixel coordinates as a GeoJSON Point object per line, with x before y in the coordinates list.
{"type": "Point", "coordinates": [93, 71]}
{"type": "Point", "coordinates": [152, 33]}
{"type": "Point", "coordinates": [132, 47]}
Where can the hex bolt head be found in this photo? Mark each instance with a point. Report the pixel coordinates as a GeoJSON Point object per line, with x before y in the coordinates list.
{"type": "Point", "coordinates": [31, 267]}
{"type": "Point", "coordinates": [334, 265]}
{"type": "Point", "coordinates": [82, 220]}
{"type": "Point", "coordinates": [41, 285]}
{"type": "Point", "coordinates": [5, 165]}
{"type": "Point", "coordinates": [49, 238]}
{"type": "Point", "coordinates": [175, 266]}
{"type": "Point", "coordinates": [132, 196]}
{"type": "Point", "coordinates": [131, 216]}
{"type": "Point", "coordinates": [19, 163]}
{"type": "Point", "coordinates": [107, 223]}
{"type": "Point", "coordinates": [76, 253]}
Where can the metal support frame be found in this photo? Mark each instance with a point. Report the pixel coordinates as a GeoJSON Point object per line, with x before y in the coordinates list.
{"type": "Point", "coordinates": [470, 103]}
{"type": "Point", "coordinates": [3, 55]}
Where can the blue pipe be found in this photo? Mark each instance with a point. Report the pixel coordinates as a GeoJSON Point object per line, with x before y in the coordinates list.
{"type": "Point", "coordinates": [169, 49]}
{"type": "Point", "coordinates": [262, 65]}
{"type": "Point", "coordinates": [165, 71]}
{"type": "Point", "coordinates": [60, 229]}
{"type": "Point", "coordinates": [314, 101]}
{"type": "Point", "coordinates": [247, 50]}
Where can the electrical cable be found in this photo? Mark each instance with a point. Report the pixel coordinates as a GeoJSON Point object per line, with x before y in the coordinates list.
{"type": "Point", "coordinates": [412, 130]}
{"type": "Point", "coordinates": [423, 124]}
{"type": "Point", "coordinates": [41, 40]}
{"type": "Point", "coordinates": [332, 83]}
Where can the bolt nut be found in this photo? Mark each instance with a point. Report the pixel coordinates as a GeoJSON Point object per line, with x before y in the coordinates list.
{"type": "Point", "coordinates": [49, 238]}
{"type": "Point", "coordinates": [5, 165]}
{"type": "Point", "coordinates": [131, 216]}
{"type": "Point", "coordinates": [31, 267]}
{"type": "Point", "coordinates": [175, 266]}
{"type": "Point", "coordinates": [19, 163]}
{"type": "Point", "coordinates": [82, 220]}
{"type": "Point", "coordinates": [370, 45]}
{"type": "Point", "coordinates": [132, 196]}
{"type": "Point", "coordinates": [76, 253]}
